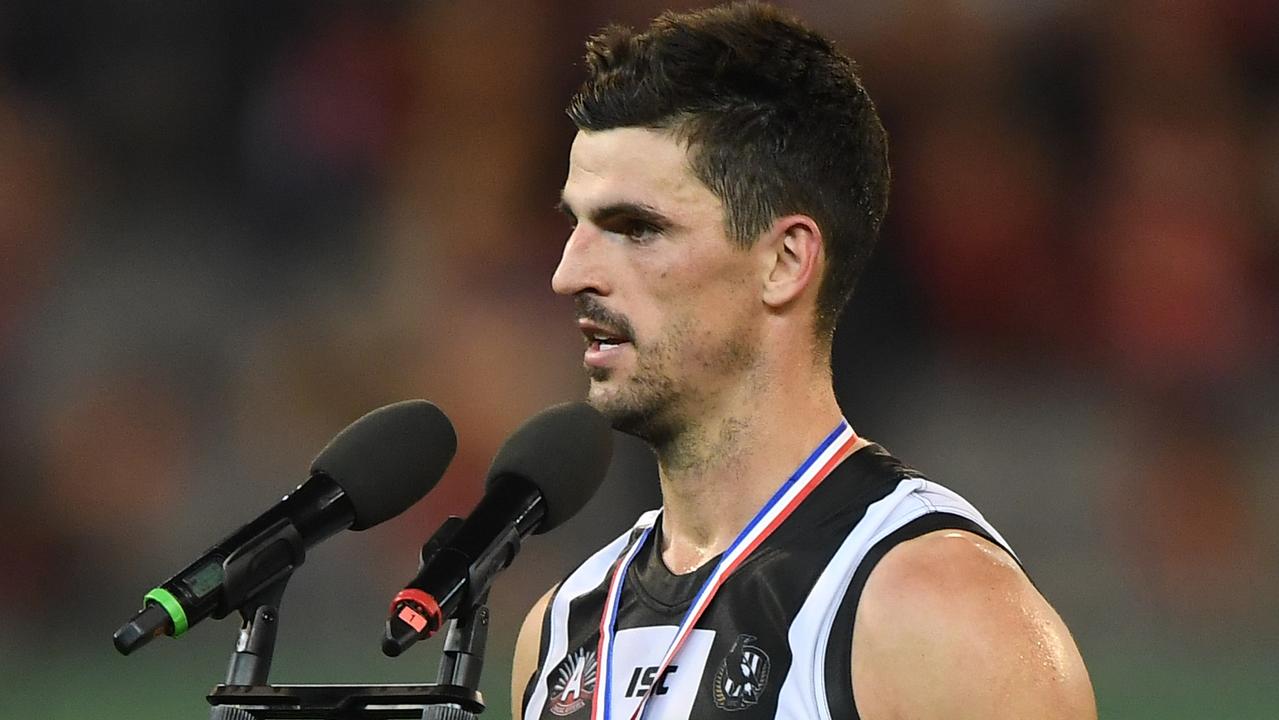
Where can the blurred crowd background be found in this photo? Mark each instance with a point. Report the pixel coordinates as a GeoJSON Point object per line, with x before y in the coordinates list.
{"type": "Point", "coordinates": [227, 229]}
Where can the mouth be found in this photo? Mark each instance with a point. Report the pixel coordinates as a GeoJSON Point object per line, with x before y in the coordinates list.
{"type": "Point", "coordinates": [603, 343]}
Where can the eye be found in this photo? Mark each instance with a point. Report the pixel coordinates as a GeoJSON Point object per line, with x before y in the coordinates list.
{"type": "Point", "coordinates": [640, 231]}
{"type": "Point", "coordinates": [568, 215]}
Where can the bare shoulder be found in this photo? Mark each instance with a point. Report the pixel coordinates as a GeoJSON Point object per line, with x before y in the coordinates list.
{"type": "Point", "coordinates": [948, 626]}
{"type": "Point", "coordinates": [526, 650]}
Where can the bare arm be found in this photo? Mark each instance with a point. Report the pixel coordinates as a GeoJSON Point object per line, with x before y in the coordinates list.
{"type": "Point", "coordinates": [949, 626]}
{"type": "Point", "coordinates": [526, 647]}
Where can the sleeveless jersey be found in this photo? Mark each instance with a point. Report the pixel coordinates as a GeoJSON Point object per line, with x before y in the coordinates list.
{"type": "Point", "coordinates": [776, 641]}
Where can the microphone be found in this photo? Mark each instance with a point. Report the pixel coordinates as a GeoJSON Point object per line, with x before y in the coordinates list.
{"type": "Point", "coordinates": [370, 472]}
{"type": "Point", "coordinates": [543, 474]}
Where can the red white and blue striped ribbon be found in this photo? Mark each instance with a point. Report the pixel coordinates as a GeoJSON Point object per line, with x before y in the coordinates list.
{"type": "Point", "coordinates": [832, 451]}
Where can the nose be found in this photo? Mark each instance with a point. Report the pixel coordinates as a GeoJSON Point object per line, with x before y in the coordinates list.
{"type": "Point", "coordinates": [580, 268]}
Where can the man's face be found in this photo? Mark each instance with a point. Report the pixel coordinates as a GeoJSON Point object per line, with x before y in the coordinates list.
{"type": "Point", "coordinates": [666, 303]}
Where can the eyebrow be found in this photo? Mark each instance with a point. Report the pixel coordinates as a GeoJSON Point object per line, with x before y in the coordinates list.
{"type": "Point", "coordinates": [627, 210]}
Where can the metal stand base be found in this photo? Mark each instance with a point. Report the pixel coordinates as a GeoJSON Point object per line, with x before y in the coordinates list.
{"type": "Point", "coordinates": [344, 702]}
{"type": "Point", "coordinates": [246, 696]}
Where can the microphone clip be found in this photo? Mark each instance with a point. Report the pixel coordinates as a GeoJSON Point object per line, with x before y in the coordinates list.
{"type": "Point", "coordinates": [269, 558]}
{"type": "Point", "coordinates": [417, 615]}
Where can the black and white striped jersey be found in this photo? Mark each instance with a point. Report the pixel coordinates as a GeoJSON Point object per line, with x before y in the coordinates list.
{"type": "Point", "coordinates": [776, 641]}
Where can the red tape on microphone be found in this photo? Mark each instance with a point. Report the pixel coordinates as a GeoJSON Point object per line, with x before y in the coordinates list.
{"type": "Point", "coordinates": [419, 610]}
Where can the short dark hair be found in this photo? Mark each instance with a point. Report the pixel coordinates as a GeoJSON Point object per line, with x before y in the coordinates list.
{"type": "Point", "coordinates": [775, 118]}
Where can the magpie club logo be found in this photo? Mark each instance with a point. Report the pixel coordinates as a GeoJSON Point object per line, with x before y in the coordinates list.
{"type": "Point", "coordinates": [573, 683]}
{"type": "Point", "coordinates": [740, 680]}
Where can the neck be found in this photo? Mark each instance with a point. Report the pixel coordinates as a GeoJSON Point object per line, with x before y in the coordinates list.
{"type": "Point", "coordinates": [720, 470]}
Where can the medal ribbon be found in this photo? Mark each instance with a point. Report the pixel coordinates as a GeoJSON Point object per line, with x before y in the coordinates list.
{"type": "Point", "coordinates": [832, 451]}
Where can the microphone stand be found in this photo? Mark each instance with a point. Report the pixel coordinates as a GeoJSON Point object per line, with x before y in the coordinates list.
{"type": "Point", "coordinates": [462, 661]}
{"type": "Point", "coordinates": [254, 648]}
{"type": "Point", "coordinates": [246, 695]}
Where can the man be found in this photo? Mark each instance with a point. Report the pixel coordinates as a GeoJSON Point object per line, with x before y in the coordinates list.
{"type": "Point", "coordinates": [726, 187]}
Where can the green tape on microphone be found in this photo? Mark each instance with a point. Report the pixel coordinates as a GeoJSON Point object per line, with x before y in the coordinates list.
{"type": "Point", "coordinates": [165, 599]}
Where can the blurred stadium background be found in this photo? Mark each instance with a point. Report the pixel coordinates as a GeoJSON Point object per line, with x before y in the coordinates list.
{"type": "Point", "coordinates": [230, 228]}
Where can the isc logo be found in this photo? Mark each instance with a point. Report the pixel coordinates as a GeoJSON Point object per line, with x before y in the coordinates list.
{"type": "Point", "coordinates": [642, 678]}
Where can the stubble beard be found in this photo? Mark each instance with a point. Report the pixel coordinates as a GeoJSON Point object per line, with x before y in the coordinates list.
{"type": "Point", "coordinates": [640, 405]}
{"type": "Point", "coordinates": [651, 404]}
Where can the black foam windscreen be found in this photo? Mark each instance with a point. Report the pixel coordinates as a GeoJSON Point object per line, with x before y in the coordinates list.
{"type": "Point", "coordinates": [563, 450]}
{"type": "Point", "coordinates": [388, 459]}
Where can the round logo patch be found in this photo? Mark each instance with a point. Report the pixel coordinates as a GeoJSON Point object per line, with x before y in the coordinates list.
{"type": "Point", "coordinates": [573, 683]}
{"type": "Point", "coordinates": [740, 680]}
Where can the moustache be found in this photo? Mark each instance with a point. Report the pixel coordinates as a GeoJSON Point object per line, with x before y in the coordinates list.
{"type": "Point", "coordinates": [590, 308]}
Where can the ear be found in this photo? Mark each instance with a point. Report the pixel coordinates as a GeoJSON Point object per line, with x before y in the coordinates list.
{"type": "Point", "coordinates": [791, 259]}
